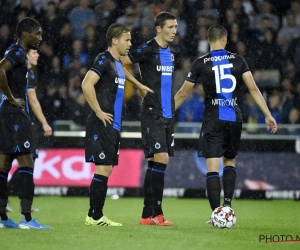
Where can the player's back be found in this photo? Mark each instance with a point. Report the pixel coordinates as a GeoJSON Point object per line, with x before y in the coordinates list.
{"type": "Point", "coordinates": [16, 77]}
{"type": "Point", "coordinates": [221, 75]}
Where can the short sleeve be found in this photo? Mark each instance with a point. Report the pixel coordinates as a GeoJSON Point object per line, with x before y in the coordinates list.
{"type": "Point", "coordinates": [31, 79]}
{"type": "Point", "coordinates": [100, 65]}
{"type": "Point", "coordinates": [16, 56]}
{"type": "Point", "coordinates": [245, 67]}
{"type": "Point", "coordinates": [194, 73]}
{"type": "Point", "coordinates": [139, 54]}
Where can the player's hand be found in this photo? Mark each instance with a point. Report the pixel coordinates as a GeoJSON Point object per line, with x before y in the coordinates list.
{"type": "Point", "coordinates": [144, 90]}
{"type": "Point", "coordinates": [105, 117]}
{"type": "Point", "coordinates": [47, 130]}
{"type": "Point", "coordinates": [271, 124]}
{"type": "Point", "coordinates": [20, 103]}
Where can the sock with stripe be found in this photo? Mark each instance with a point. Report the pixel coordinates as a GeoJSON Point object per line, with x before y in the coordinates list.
{"type": "Point", "coordinates": [3, 195]}
{"type": "Point", "coordinates": [148, 209]}
{"type": "Point", "coordinates": [229, 178]}
{"type": "Point", "coordinates": [98, 191]}
{"type": "Point", "coordinates": [158, 182]}
{"type": "Point", "coordinates": [26, 191]}
{"type": "Point", "coordinates": [213, 187]}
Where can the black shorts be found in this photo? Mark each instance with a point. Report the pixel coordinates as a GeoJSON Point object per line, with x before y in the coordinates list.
{"type": "Point", "coordinates": [157, 134]}
{"type": "Point", "coordinates": [102, 143]}
{"type": "Point", "coordinates": [219, 138]}
{"type": "Point", "coordinates": [35, 140]}
{"type": "Point", "coordinates": [15, 131]}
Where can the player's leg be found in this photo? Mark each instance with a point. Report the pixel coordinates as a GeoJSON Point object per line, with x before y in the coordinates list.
{"type": "Point", "coordinates": [102, 148]}
{"type": "Point", "coordinates": [5, 166]}
{"type": "Point", "coordinates": [26, 192]}
{"type": "Point", "coordinates": [148, 151]}
{"type": "Point", "coordinates": [213, 184]}
{"type": "Point", "coordinates": [229, 179]}
{"type": "Point", "coordinates": [231, 146]}
{"type": "Point", "coordinates": [211, 147]}
{"type": "Point", "coordinates": [98, 190]}
{"type": "Point", "coordinates": [155, 144]}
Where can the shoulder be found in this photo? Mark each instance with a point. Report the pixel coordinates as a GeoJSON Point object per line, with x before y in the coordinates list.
{"type": "Point", "coordinates": [202, 59]}
{"type": "Point", "coordinates": [235, 56]}
{"type": "Point", "coordinates": [103, 58]}
{"type": "Point", "coordinates": [149, 46]}
{"type": "Point", "coordinates": [174, 49]}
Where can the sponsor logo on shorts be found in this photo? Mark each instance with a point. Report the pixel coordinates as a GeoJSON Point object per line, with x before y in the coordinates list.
{"type": "Point", "coordinates": [157, 145]}
{"type": "Point", "coordinates": [26, 144]}
{"type": "Point", "coordinates": [102, 156]}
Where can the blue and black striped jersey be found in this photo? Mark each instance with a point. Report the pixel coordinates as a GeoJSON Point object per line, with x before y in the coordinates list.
{"type": "Point", "coordinates": [157, 68]}
{"type": "Point", "coordinates": [110, 87]}
{"type": "Point", "coordinates": [221, 75]}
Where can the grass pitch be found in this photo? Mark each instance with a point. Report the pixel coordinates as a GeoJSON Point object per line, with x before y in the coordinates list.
{"type": "Point", "coordinates": [67, 215]}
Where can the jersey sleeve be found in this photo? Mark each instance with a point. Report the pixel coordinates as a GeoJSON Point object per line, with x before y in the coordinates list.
{"type": "Point", "coordinates": [194, 73]}
{"type": "Point", "coordinates": [139, 54]}
{"type": "Point", "coordinates": [31, 79]}
{"type": "Point", "coordinates": [245, 67]}
{"type": "Point", "coordinates": [16, 56]}
{"type": "Point", "coordinates": [100, 65]}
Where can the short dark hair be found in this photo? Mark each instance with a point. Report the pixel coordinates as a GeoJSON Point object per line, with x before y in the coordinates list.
{"type": "Point", "coordinates": [161, 18]}
{"type": "Point", "coordinates": [115, 31]}
{"type": "Point", "coordinates": [27, 24]}
{"type": "Point", "coordinates": [216, 32]}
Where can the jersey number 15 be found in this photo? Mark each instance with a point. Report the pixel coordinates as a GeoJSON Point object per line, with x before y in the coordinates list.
{"type": "Point", "coordinates": [220, 75]}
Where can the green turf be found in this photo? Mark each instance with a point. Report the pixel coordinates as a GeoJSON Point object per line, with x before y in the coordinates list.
{"type": "Point", "coordinates": [67, 215]}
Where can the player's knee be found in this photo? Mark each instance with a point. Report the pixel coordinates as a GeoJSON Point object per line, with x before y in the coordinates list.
{"type": "Point", "coordinates": [162, 158]}
{"type": "Point", "coordinates": [25, 161]}
{"type": "Point", "coordinates": [104, 170]}
{"type": "Point", "coordinates": [5, 163]}
{"type": "Point", "coordinates": [228, 162]}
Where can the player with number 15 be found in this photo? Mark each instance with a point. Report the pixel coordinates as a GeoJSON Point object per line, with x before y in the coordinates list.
{"type": "Point", "coordinates": [222, 74]}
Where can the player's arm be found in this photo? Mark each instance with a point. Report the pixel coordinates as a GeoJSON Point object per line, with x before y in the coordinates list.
{"type": "Point", "coordinates": [260, 101]}
{"type": "Point", "coordinates": [183, 93]}
{"type": "Point", "coordinates": [88, 88]}
{"type": "Point", "coordinates": [37, 110]}
{"type": "Point", "coordinates": [6, 65]}
{"type": "Point", "coordinates": [142, 88]}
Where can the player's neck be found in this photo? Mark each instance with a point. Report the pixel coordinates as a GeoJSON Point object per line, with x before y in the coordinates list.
{"type": "Point", "coordinates": [162, 43]}
{"type": "Point", "coordinates": [216, 46]}
{"type": "Point", "coordinates": [114, 53]}
{"type": "Point", "coordinates": [22, 44]}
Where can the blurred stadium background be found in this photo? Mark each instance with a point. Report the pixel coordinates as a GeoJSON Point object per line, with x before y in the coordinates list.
{"type": "Point", "coordinates": [265, 32]}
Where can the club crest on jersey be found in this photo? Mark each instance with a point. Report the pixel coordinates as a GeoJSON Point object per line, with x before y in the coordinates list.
{"type": "Point", "coordinates": [102, 156]}
{"type": "Point", "coordinates": [26, 144]}
{"type": "Point", "coordinates": [172, 57]}
{"type": "Point", "coordinates": [157, 145]}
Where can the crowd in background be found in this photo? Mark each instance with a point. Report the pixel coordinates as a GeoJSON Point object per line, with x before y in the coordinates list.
{"type": "Point", "coordinates": [265, 32]}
